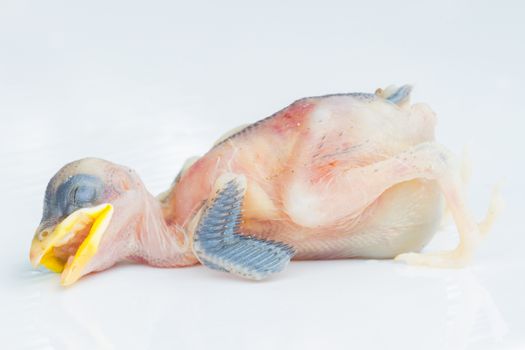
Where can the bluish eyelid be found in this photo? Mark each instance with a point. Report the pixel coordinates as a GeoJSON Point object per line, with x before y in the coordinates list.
{"type": "Point", "coordinates": [85, 194]}
{"type": "Point", "coordinates": [77, 191]}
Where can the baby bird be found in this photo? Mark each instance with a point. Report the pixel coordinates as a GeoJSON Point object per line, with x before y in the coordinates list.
{"type": "Point", "coordinates": [330, 177]}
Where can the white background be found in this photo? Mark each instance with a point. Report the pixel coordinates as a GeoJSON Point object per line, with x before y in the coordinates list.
{"type": "Point", "coordinates": [147, 84]}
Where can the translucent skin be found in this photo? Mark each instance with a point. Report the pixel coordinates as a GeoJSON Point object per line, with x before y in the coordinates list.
{"type": "Point", "coordinates": [337, 176]}
{"type": "Point", "coordinates": [290, 157]}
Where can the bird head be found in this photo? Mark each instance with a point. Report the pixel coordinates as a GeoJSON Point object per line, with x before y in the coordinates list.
{"type": "Point", "coordinates": [88, 218]}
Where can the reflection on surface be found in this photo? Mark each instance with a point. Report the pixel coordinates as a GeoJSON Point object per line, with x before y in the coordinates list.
{"type": "Point", "coordinates": [471, 314]}
{"type": "Point", "coordinates": [336, 305]}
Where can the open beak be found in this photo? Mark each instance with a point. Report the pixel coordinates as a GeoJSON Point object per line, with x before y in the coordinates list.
{"type": "Point", "coordinates": [67, 247]}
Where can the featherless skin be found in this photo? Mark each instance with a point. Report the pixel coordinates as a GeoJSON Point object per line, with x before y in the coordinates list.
{"type": "Point", "coordinates": [353, 175]}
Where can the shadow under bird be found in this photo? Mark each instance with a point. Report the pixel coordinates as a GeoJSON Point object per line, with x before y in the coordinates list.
{"type": "Point", "coordinates": [329, 177]}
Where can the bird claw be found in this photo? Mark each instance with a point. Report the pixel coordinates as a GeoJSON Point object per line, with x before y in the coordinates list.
{"type": "Point", "coordinates": [450, 259]}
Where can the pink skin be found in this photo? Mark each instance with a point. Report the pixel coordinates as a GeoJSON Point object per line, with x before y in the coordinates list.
{"type": "Point", "coordinates": [298, 146]}
{"type": "Point", "coordinates": [138, 231]}
{"type": "Point", "coordinates": [334, 177]}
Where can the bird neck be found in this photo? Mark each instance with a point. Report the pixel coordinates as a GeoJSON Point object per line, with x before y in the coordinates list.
{"type": "Point", "coordinates": [160, 242]}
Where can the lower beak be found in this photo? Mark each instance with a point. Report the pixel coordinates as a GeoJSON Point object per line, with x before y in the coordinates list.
{"type": "Point", "coordinates": [67, 247]}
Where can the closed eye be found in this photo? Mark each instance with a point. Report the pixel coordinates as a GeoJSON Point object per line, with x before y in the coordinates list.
{"type": "Point", "coordinates": [84, 195]}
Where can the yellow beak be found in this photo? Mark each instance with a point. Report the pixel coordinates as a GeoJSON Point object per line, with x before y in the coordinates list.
{"type": "Point", "coordinates": [72, 243]}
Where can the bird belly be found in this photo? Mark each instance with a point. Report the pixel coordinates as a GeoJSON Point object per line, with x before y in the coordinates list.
{"type": "Point", "coordinates": [404, 218]}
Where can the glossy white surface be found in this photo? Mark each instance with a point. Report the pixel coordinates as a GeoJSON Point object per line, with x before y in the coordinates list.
{"type": "Point", "coordinates": [150, 85]}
